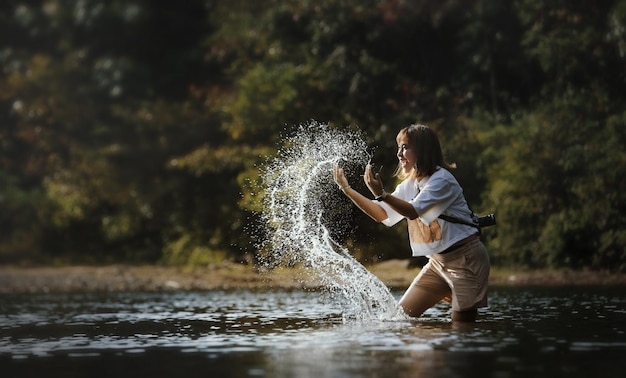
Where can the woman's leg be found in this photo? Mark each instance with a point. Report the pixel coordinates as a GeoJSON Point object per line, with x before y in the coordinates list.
{"type": "Point", "coordinates": [416, 300]}
{"type": "Point", "coordinates": [468, 316]}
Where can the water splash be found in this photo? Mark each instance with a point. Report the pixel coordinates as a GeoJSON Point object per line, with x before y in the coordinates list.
{"type": "Point", "coordinates": [303, 204]}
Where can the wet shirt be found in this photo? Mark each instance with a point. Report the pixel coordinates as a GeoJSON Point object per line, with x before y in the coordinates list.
{"type": "Point", "coordinates": [432, 196]}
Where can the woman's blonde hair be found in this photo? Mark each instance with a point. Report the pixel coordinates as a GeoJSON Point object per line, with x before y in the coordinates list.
{"type": "Point", "coordinates": [425, 143]}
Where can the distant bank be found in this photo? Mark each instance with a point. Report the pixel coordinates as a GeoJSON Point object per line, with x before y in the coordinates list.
{"type": "Point", "coordinates": [394, 273]}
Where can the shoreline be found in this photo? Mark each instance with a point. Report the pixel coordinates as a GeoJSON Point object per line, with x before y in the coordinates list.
{"type": "Point", "coordinates": [117, 278]}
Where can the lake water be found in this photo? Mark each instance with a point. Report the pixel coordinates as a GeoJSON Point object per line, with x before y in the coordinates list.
{"type": "Point", "coordinates": [526, 332]}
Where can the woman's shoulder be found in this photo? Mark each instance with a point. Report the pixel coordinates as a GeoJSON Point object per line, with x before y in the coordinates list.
{"type": "Point", "coordinates": [443, 174]}
{"type": "Point", "coordinates": [442, 177]}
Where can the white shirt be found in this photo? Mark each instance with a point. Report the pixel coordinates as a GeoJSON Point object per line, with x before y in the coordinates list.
{"type": "Point", "coordinates": [432, 196]}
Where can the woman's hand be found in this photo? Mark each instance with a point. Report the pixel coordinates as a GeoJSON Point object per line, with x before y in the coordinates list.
{"type": "Point", "coordinates": [373, 181]}
{"type": "Point", "coordinates": [369, 207]}
{"type": "Point", "coordinates": [340, 177]}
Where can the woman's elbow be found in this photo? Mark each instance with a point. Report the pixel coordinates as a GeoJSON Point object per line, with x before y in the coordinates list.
{"type": "Point", "coordinates": [412, 215]}
{"type": "Point", "coordinates": [379, 218]}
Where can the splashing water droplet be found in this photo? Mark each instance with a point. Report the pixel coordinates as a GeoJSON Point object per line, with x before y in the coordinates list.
{"type": "Point", "coordinates": [303, 204]}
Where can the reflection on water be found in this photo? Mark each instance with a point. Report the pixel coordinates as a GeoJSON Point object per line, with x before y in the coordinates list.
{"type": "Point", "coordinates": [525, 331]}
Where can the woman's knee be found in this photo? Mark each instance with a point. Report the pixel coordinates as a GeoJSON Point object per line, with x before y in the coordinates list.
{"type": "Point", "coordinates": [417, 300]}
{"type": "Point", "coordinates": [412, 309]}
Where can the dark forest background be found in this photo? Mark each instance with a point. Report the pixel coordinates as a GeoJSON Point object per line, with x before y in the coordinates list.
{"type": "Point", "coordinates": [132, 131]}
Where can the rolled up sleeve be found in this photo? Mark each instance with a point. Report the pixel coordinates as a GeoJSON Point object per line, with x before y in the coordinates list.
{"type": "Point", "coordinates": [434, 199]}
{"type": "Point", "coordinates": [403, 191]}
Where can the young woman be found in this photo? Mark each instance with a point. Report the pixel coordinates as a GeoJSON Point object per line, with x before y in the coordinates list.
{"type": "Point", "coordinates": [458, 266]}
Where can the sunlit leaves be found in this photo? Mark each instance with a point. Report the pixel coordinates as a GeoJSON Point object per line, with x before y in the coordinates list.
{"type": "Point", "coordinates": [139, 128]}
{"type": "Point", "coordinates": [266, 98]}
{"type": "Point", "coordinates": [617, 22]}
{"type": "Point", "coordinates": [185, 251]}
{"type": "Point", "coordinates": [554, 188]}
{"type": "Point", "coordinates": [218, 159]}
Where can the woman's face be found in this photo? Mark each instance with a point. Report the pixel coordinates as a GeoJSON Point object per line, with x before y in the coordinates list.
{"type": "Point", "coordinates": [406, 155]}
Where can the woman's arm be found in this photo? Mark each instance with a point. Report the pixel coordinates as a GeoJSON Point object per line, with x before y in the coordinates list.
{"type": "Point", "coordinates": [375, 185]}
{"type": "Point", "coordinates": [401, 206]}
{"type": "Point", "coordinates": [373, 210]}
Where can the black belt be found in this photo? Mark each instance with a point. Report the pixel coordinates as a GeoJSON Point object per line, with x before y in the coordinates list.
{"type": "Point", "coordinates": [457, 245]}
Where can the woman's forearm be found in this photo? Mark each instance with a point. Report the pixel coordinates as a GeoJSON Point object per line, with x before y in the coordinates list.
{"type": "Point", "coordinates": [373, 210]}
{"type": "Point", "coordinates": [404, 208]}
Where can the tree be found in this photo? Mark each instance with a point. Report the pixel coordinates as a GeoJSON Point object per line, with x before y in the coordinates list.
{"type": "Point", "coordinates": [96, 116]}
{"type": "Point", "coordinates": [558, 184]}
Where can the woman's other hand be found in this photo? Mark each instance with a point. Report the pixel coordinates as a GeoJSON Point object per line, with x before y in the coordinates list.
{"type": "Point", "coordinates": [373, 181]}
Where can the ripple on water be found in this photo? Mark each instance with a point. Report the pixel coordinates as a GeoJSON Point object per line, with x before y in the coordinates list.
{"type": "Point", "coordinates": [224, 326]}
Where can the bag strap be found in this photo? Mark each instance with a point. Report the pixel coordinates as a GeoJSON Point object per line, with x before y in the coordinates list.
{"type": "Point", "coordinates": [451, 219]}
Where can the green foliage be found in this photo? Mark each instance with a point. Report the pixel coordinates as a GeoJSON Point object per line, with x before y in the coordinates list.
{"type": "Point", "coordinates": [136, 131]}
{"type": "Point", "coordinates": [557, 188]}
{"type": "Point", "coordinates": [191, 253]}
{"type": "Point", "coordinates": [557, 184]}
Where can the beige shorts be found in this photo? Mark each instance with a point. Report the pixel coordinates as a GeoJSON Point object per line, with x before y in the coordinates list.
{"type": "Point", "coordinates": [461, 275]}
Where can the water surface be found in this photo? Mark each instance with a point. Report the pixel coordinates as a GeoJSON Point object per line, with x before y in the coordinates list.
{"type": "Point", "coordinates": [573, 332]}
